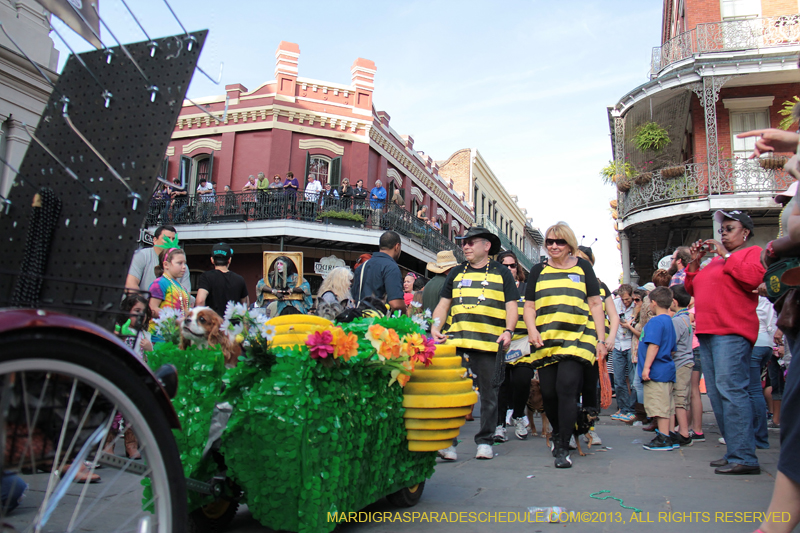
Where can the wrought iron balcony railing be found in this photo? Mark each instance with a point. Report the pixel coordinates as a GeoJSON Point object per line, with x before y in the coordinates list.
{"type": "Point", "coordinates": [506, 243]}
{"type": "Point", "coordinates": [736, 176]}
{"type": "Point", "coordinates": [301, 205]}
{"type": "Point", "coordinates": [727, 35]}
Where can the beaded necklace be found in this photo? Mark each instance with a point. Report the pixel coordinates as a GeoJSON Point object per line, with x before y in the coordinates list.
{"type": "Point", "coordinates": [181, 293]}
{"type": "Point", "coordinates": [481, 296]}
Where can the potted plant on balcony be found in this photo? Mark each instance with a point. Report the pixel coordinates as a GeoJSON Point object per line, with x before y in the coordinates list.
{"type": "Point", "coordinates": [651, 136]}
{"type": "Point", "coordinates": [673, 171]}
{"type": "Point", "coordinates": [787, 111]}
{"type": "Point", "coordinates": [643, 178]}
{"type": "Point", "coordinates": [615, 171]}
{"type": "Point", "coordinates": [340, 218]}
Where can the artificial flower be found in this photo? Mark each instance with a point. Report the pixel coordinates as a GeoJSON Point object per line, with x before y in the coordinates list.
{"type": "Point", "coordinates": [345, 344]}
{"type": "Point", "coordinates": [268, 331]}
{"type": "Point", "coordinates": [376, 335]}
{"type": "Point", "coordinates": [319, 344]}
{"type": "Point", "coordinates": [390, 347]}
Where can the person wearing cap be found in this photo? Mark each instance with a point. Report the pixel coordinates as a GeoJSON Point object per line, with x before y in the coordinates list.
{"type": "Point", "coordinates": [566, 328]}
{"type": "Point", "coordinates": [445, 261]}
{"type": "Point", "coordinates": [480, 299]}
{"type": "Point", "coordinates": [727, 327]}
{"type": "Point", "coordinates": [217, 287]}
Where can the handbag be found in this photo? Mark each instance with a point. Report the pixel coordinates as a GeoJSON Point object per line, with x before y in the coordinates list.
{"type": "Point", "coordinates": [517, 349]}
{"type": "Point", "coordinates": [773, 278]}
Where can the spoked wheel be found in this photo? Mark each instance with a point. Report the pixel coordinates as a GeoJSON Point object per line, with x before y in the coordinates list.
{"type": "Point", "coordinates": [407, 497]}
{"type": "Point", "coordinates": [62, 398]}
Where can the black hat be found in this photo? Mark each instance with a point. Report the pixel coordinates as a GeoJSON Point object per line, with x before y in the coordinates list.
{"type": "Point", "coordinates": [741, 216]}
{"type": "Point", "coordinates": [222, 250]}
{"type": "Point", "coordinates": [480, 231]}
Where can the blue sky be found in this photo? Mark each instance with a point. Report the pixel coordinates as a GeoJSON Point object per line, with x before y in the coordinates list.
{"type": "Point", "coordinates": [527, 83]}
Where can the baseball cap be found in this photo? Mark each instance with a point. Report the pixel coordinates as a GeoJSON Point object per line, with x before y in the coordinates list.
{"type": "Point", "coordinates": [741, 216]}
{"type": "Point", "coordinates": [222, 250]}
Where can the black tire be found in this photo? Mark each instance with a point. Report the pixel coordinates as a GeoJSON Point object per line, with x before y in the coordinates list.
{"type": "Point", "coordinates": [218, 515]}
{"type": "Point", "coordinates": [54, 362]}
{"type": "Point", "coordinates": [408, 496]}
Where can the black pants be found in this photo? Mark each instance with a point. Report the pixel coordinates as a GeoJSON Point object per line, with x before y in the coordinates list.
{"type": "Point", "coordinates": [482, 365]}
{"type": "Point", "coordinates": [591, 381]}
{"type": "Point", "coordinates": [514, 391]}
{"type": "Point", "coordinates": [561, 383]}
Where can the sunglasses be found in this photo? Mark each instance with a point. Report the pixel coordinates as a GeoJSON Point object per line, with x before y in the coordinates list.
{"type": "Point", "coordinates": [637, 299]}
{"type": "Point", "coordinates": [510, 265]}
{"type": "Point", "coordinates": [472, 242]}
{"type": "Point", "coordinates": [727, 229]}
{"type": "Point", "coordinates": [551, 242]}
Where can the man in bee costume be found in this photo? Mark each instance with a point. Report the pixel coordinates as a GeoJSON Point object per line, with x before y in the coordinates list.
{"type": "Point", "coordinates": [479, 306]}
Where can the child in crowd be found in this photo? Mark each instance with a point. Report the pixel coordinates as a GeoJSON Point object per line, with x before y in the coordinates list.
{"type": "Point", "coordinates": [684, 362]}
{"type": "Point", "coordinates": [166, 290]}
{"type": "Point", "coordinates": [656, 368]}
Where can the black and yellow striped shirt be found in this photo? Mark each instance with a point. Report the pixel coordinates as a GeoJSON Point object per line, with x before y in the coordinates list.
{"type": "Point", "coordinates": [563, 317]}
{"type": "Point", "coordinates": [475, 324]}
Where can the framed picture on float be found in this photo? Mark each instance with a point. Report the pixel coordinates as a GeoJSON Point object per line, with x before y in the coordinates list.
{"type": "Point", "coordinates": [283, 271]}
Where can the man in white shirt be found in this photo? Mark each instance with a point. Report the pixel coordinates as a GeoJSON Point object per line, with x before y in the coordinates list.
{"type": "Point", "coordinates": [205, 193]}
{"type": "Point", "coordinates": [313, 188]}
{"type": "Point", "coordinates": [621, 356]}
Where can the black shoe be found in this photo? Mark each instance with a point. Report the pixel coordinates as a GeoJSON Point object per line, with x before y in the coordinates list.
{"type": "Point", "coordinates": [697, 438]}
{"type": "Point", "coordinates": [718, 462]}
{"type": "Point", "coordinates": [679, 439]}
{"type": "Point", "coordinates": [734, 469]}
{"type": "Point", "coordinates": [555, 444]}
{"type": "Point", "coordinates": [563, 460]}
{"type": "Point", "coordinates": [660, 443]}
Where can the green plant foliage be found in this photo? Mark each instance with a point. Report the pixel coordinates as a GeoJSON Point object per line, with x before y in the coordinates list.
{"type": "Point", "coordinates": [651, 136]}
{"type": "Point", "coordinates": [344, 215]}
{"type": "Point", "coordinates": [614, 170]}
{"type": "Point", "coordinates": [786, 111]}
{"type": "Point", "coordinates": [200, 374]}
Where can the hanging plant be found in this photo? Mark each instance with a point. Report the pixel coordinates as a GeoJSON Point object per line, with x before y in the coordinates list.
{"type": "Point", "coordinates": [789, 117]}
{"type": "Point", "coordinates": [613, 204]}
{"type": "Point", "coordinates": [773, 162]}
{"type": "Point", "coordinates": [673, 171]}
{"type": "Point", "coordinates": [612, 172]}
{"type": "Point", "coordinates": [643, 179]}
{"type": "Point", "coordinates": [651, 136]}
{"type": "Point", "coordinates": [624, 184]}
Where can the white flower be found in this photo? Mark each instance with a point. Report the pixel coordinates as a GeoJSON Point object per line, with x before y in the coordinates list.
{"type": "Point", "coordinates": [228, 313]}
{"type": "Point", "coordinates": [268, 331]}
{"type": "Point", "coordinates": [420, 321]}
{"type": "Point", "coordinates": [428, 313]}
{"type": "Point", "coordinates": [416, 304]}
{"type": "Point", "coordinates": [436, 321]}
{"type": "Point", "coordinates": [237, 329]}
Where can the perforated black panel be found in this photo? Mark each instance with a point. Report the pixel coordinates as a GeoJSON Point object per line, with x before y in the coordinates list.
{"type": "Point", "coordinates": [131, 134]}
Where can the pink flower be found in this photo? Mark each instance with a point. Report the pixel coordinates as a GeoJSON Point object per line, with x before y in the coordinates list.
{"type": "Point", "coordinates": [320, 344]}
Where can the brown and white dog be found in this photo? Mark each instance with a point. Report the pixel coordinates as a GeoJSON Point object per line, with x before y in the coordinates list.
{"type": "Point", "coordinates": [201, 326]}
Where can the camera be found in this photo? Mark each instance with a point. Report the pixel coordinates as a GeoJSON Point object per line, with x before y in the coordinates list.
{"type": "Point", "coordinates": [708, 247]}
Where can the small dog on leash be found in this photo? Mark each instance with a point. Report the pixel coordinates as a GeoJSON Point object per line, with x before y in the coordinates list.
{"type": "Point", "coordinates": [535, 404]}
{"type": "Point", "coordinates": [201, 326]}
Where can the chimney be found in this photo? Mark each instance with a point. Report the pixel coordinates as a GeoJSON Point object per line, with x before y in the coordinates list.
{"type": "Point", "coordinates": [234, 92]}
{"type": "Point", "coordinates": [409, 140]}
{"type": "Point", "coordinates": [385, 118]}
{"type": "Point", "coordinates": [363, 79]}
{"type": "Point", "coordinates": [286, 59]}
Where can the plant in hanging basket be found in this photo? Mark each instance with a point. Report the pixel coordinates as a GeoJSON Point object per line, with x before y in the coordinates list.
{"type": "Point", "coordinates": [772, 162]}
{"type": "Point", "coordinates": [643, 179]}
{"type": "Point", "coordinates": [790, 117]}
{"type": "Point", "coordinates": [623, 185]}
{"type": "Point", "coordinates": [651, 136]}
{"type": "Point", "coordinates": [614, 171]}
{"type": "Point", "coordinates": [614, 214]}
{"type": "Point", "coordinates": [673, 172]}
{"type": "Point", "coordinates": [613, 204]}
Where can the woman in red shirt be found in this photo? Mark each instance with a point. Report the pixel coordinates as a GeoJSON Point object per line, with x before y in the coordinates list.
{"type": "Point", "coordinates": [727, 327]}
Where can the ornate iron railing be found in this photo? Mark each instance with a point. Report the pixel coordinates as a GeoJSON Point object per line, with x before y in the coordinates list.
{"type": "Point", "coordinates": [739, 34]}
{"type": "Point", "coordinates": [736, 176]}
{"type": "Point", "coordinates": [522, 257]}
{"type": "Point", "coordinates": [301, 205]}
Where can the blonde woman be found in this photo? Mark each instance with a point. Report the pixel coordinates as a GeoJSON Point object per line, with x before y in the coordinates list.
{"type": "Point", "coordinates": [335, 287]}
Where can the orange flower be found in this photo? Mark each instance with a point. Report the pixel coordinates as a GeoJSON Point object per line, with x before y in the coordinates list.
{"type": "Point", "coordinates": [413, 344]}
{"type": "Point", "coordinates": [390, 347]}
{"type": "Point", "coordinates": [376, 335]}
{"type": "Point", "coordinates": [346, 344]}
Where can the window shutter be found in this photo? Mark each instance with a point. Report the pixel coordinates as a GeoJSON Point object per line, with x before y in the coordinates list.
{"type": "Point", "coordinates": [303, 181]}
{"type": "Point", "coordinates": [186, 167]}
{"type": "Point", "coordinates": [211, 168]}
{"type": "Point", "coordinates": [165, 169]}
{"type": "Point", "coordinates": [335, 172]}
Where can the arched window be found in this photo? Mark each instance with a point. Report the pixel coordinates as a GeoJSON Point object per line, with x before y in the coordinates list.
{"type": "Point", "coordinates": [324, 169]}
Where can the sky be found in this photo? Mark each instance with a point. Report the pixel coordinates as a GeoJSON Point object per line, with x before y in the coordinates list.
{"type": "Point", "coordinates": [527, 83]}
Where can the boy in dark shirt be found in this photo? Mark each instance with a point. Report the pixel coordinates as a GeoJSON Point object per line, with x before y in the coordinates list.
{"type": "Point", "coordinates": [657, 369]}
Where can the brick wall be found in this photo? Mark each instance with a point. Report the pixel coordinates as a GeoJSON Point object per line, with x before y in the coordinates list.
{"type": "Point", "coordinates": [700, 11]}
{"type": "Point", "coordinates": [457, 168]}
{"type": "Point", "coordinates": [774, 8]}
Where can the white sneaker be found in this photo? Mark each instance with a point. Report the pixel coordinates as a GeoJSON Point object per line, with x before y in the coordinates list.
{"type": "Point", "coordinates": [722, 440]}
{"type": "Point", "coordinates": [526, 421]}
{"type": "Point", "coordinates": [520, 429]}
{"type": "Point", "coordinates": [593, 437]}
{"type": "Point", "coordinates": [509, 417]}
{"type": "Point", "coordinates": [500, 434]}
{"type": "Point", "coordinates": [572, 444]}
{"type": "Point", "coordinates": [484, 452]}
{"type": "Point", "coordinates": [448, 454]}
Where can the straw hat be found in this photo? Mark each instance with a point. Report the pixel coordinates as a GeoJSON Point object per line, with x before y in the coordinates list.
{"type": "Point", "coordinates": [445, 260]}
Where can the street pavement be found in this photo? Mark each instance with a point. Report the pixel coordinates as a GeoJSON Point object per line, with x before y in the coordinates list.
{"type": "Point", "coordinates": [676, 490]}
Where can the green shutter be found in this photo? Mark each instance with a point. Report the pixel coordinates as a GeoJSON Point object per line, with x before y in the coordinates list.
{"type": "Point", "coordinates": [302, 182]}
{"type": "Point", "coordinates": [335, 172]}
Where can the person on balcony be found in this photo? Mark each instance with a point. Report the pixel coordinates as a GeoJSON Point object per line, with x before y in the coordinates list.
{"type": "Point", "coordinates": [159, 204]}
{"type": "Point", "coordinates": [377, 200]}
{"type": "Point", "coordinates": [434, 223]}
{"type": "Point", "coordinates": [249, 198]}
{"type": "Point", "coordinates": [230, 201]}
{"type": "Point", "coordinates": [290, 187]}
{"type": "Point", "coordinates": [727, 328]}
{"type": "Point", "coordinates": [275, 199]}
{"type": "Point", "coordinates": [346, 194]}
{"type": "Point", "coordinates": [207, 196]}
{"type": "Point", "coordinates": [422, 214]}
{"type": "Point", "coordinates": [329, 197]}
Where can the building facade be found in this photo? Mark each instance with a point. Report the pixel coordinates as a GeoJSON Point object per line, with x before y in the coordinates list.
{"type": "Point", "coordinates": [23, 91]}
{"type": "Point", "coordinates": [493, 206]}
{"type": "Point", "coordinates": [724, 67]}
{"type": "Point", "coordinates": [305, 126]}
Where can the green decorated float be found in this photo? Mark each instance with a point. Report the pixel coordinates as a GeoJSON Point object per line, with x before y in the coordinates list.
{"type": "Point", "coordinates": [324, 418]}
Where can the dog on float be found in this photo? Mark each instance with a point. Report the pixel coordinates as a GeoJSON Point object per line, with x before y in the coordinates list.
{"type": "Point", "coordinates": [201, 327]}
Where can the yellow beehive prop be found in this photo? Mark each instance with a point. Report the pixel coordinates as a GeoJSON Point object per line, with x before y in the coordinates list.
{"type": "Point", "coordinates": [437, 400]}
{"type": "Point", "coordinates": [294, 329]}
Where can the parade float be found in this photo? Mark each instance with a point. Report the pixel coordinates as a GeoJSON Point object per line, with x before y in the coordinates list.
{"type": "Point", "coordinates": [323, 418]}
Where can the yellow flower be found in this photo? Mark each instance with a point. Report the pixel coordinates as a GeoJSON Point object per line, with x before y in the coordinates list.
{"type": "Point", "coordinates": [390, 347]}
{"type": "Point", "coordinates": [413, 344]}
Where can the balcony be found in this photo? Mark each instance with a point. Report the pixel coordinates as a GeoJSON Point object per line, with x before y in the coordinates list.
{"type": "Point", "coordinates": [737, 176]}
{"type": "Point", "coordinates": [728, 35]}
{"type": "Point", "coordinates": [506, 243]}
{"type": "Point", "coordinates": [305, 207]}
